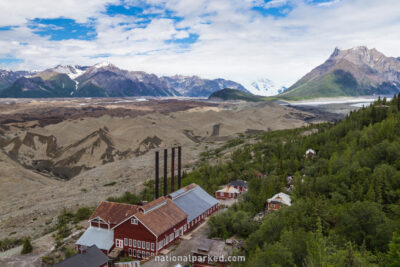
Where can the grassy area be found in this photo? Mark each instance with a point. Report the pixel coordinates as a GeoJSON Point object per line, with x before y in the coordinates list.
{"type": "Point", "coordinates": [9, 243]}
{"type": "Point", "coordinates": [233, 94]}
{"type": "Point", "coordinates": [333, 84]}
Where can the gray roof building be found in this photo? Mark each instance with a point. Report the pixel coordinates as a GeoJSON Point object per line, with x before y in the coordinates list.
{"type": "Point", "coordinates": [102, 238]}
{"type": "Point", "coordinates": [238, 183]}
{"type": "Point", "coordinates": [193, 200]}
{"type": "Point", "coordinates": [92, 257]}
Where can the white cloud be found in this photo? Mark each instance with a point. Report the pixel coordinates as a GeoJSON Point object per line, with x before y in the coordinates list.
{"type": "Point", "coordinates": [234, 41]}
{"type": "Point", "coordinates": [275, 3]}
{"type": "Point", "coordinates": [329, 3]}
{"type": "Point", "coordinates": [17, 12]}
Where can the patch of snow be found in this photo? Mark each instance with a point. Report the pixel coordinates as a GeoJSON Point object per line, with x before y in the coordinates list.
{"type": "Point", "coordinates": [72, 71]}
{"type": "Point", "coordinates": [102, 64]}
{"type": "Point", "coordinates": [264, 87]}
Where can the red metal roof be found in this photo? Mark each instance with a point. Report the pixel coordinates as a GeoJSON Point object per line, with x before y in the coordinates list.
{"type": "Point", "coordinates": [161, 215]}
{"type": "Point", "coordinates": [114, 213]}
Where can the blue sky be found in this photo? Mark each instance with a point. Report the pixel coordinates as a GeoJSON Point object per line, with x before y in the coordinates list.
{"type": "Point", "coordinates": [241, 40]}
{"type": "Point", "coordinates": [63, 29]}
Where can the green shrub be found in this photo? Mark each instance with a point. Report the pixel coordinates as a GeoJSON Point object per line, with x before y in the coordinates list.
{"type": "Point", "coordinates": [69, 252]}
{"type": "Point", "coordinates": [27, 246]}
{"type": "Point", "coordinates": [83, 214]}
{"type": "Point", "coordinates": [48, 260]}
{"type": "Point", "coordinates": [127, 198]}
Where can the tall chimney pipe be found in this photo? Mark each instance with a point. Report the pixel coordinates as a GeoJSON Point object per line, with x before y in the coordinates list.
{"type": "Point", "coordinates": [157, 174]}
{"type": "Point", "coordinates": [179, 166]}
{"type": "Point", "coordinates": [165, 170]}
{"type": "Point", "coordinates": [173, 170]}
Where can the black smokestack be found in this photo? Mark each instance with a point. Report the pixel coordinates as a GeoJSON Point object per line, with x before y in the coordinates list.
{"type": "Point", "coordinates": [179, 166]}
{"type": "Point", "coordinates": [165, 170]}
{"type": "Point", "coordinates": [157, 174]}
{"type": "Point", "coordinates": [173, 170]}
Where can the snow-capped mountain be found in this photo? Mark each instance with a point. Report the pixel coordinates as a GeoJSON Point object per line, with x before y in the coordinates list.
{"type": "Point", "coordinates": [265, 87]}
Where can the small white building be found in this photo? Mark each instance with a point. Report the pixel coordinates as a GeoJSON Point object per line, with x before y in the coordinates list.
{"type": "Point", "coordinates": [310, 153]}
{"type": "Point", "coordinates": [278, 200]}
{"type": "Point", "coordinates": [227, 192]}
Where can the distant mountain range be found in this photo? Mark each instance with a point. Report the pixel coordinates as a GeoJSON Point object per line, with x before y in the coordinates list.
{"type": "Point", "coordinates": [105, 80]}
{"type": "Point", "coordinates": [352, 72]}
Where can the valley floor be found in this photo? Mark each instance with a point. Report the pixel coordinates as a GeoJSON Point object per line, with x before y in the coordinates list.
{"type": "Point", "coordinates": [32, 197]}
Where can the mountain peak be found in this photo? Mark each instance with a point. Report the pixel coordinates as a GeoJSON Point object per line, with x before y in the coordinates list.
{"type": "Point", "coordinates": [336, 52]}
{"type": "Point", "coordinates": [363, 56]}
{"type": "Point", "coordinates": [355, 71]}
{"type": "Point", "coordinates": [103, 65]}
{"type": "Point", "coordinates": [362, 51]}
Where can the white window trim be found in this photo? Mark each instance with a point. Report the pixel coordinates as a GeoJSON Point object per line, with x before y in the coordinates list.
{"type": "Point", "coordinates": [119, 243]}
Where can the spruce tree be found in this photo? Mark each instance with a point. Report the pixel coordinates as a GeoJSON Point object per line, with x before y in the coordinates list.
{"type": "Point", "coordinates": [398, 101]}
{"type": "Point", "coordinates": [393, 255]}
